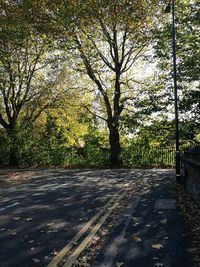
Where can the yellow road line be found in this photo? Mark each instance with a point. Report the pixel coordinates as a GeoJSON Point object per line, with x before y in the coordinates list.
{"type": "Point", "coordinates": [92, 233]}
{"type": "Point", "coordinates": [64, 251]}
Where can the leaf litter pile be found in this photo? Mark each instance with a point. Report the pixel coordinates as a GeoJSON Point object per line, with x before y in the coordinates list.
{"type": "Point", "coordinates": [14, 177]}
{"type": "Point", "coordinates": [191, 211]}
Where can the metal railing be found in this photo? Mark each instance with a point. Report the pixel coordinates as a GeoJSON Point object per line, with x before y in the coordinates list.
{"type": "Point", "coordinates": [155, 156]}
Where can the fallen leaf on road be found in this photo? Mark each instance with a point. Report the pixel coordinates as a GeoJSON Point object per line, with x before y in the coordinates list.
{"type": "Point", "coordinates": [51, 231]}
{"type": "Point", "coordinates": [17, 218]}
{"type": "Point", "coordinates": [159, 264]}
{"type": "Point", "coordinates": [12, 232]}
{"type": "Point", "coordinates": [119, 264]}
{"type": "Point", "coordinates": [104, 232]}
{"type": "Point", "coordinates": [55, 252]}
{"type": "Point", "coordinates": [36, 260]}
{"type": "Point", "coordinates": [95, 240]}
{"type": "Point", "coordinates": [157, 246]}
{"type": "Point", "coordinates": [163, 221]}
{"type": "Point", "coordinates": [137, 239]}
{"type": "Point", "coordinates": [50, 224]}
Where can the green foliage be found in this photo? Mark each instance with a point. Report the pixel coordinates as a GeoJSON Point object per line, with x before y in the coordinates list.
{"type": "Point", "coordinates": [65, 68]}
{"type": "Point", "coordinates": [187, 17]}
{"type": "Point", "coordinates": [4, 148]}
{"type": "Point", "coordinates": [188, 69]}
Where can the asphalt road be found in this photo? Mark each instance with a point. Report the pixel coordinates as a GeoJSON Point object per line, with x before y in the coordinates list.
{"type": "Point", "coordinates": [38, 218]}
{"type": "Point", "coordinates": [50, 219]}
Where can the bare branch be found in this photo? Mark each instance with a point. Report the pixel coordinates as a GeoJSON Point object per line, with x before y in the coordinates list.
{"type": "Point", "coordinates": [93, 113]}
{"type": "Point", "coordinates": [126, 67]}
{"type": "Point", "coordinates": [104, 59]}
{"type": "Point", "coordinates": [93, 77]}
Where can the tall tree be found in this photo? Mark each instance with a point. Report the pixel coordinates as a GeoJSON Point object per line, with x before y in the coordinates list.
{"type": "Point", "coordinates": [108, 37]}
{"type": "Point", "coordinates": [24, 85]}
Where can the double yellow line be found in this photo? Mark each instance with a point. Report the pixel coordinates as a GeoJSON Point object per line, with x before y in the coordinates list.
{"type": "Point", "coordinates": [105, 211]}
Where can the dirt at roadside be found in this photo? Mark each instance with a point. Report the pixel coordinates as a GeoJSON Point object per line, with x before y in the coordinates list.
{"type": "Point", "coordinates": [191, 212]}
{"type": "Point", "coordinates": [11, 177]}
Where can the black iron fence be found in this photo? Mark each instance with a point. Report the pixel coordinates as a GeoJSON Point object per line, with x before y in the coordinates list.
{"type": "Point", "coordinates": [154, 156]}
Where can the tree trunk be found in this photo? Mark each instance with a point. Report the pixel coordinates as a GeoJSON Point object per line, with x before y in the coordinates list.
{"type": "Point", "coordinates": [114, 141]}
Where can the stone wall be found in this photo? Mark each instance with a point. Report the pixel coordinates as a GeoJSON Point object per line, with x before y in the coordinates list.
{"type": "Point", "coordinates": [191, 177]}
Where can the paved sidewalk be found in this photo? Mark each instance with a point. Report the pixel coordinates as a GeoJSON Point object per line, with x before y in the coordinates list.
{"type": "Point", "coordinates": [151, 231]}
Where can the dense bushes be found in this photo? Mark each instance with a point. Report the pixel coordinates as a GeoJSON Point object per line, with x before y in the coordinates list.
{"type": "Point", "coordinates": [40, 150]}
{"type": "Point", "coordinates": [4, 148]}
{"type": "Point", "coordinates": [36, 149]}
{"type": "Point", "coordinates": [49, 144]}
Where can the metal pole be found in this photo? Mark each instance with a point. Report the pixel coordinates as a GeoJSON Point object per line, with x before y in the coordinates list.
{"type": "Point", "coordinates": [178, 177]}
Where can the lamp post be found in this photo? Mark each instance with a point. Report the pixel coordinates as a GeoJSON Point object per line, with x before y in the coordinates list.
{"type": "Point", "coordinates": [169, 7]}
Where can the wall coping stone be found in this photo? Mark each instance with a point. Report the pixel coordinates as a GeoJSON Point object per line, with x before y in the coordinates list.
{"type": "Point", "coordinates": [192, 161]}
